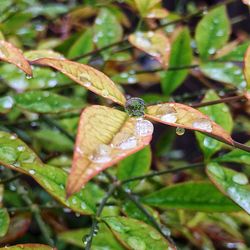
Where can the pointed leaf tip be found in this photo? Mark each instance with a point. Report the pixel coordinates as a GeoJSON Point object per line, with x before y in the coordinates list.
{"type": "Point", "coordinates": [105, 136]}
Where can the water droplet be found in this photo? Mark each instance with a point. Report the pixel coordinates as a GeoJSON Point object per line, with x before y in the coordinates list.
{"type": "Point", "coordinates": [180, 131]}
{"type": "Point", "coordinates": [240, 178]}
{"type": "Point", "coordinates": [83, 205]}
{"type": "Point", "coordinates": [143, 128]}
{"type": "Point", "coordinates": [220, 33]}
{"type": "Point", "coordinates": [20, 148]}
{"type": "Point", "coordinates": [66, 210]}
{"type": "Point", "coordinates": [32, 171]}
{"type": "Point", "coordinates": [13, 137]}
{"type": "Point", "coordinates": [211, 51]}
{"type": "Point", "coordinates": [169, 118]}
{"type": "Point", "coordinates": [203, 124]}
{"type": "Point", "coordinates": [142, 41]}
{"type": "Point", "coordinates": [28, 76]}
{"type": "Point", "coordinates": [7, 102]}
{"type": "Point", "coordinates": [87, 84]}
{"type": "Point", "coordinates": [77, 214]}
{"type": "Point", "coordinates": [74, 201]}
{"type": "Point", "coordinates": [127, 143]}
{"type": "Point", "coordinates": [155, 235]}
{"type": "Point", "coordinates": [136, 243]}
{"type": "Point", "coordinates": [102, 154]}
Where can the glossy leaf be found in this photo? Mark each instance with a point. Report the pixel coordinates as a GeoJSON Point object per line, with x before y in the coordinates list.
{"type": "Point", "coordinates": [134, 234]}
{"type": "Point", "coordinates": [212, 32]}
{"type": "Point", "coordinates": [6, 104]}
{"type": "Point", "coordinates": [181, 55]}
{"type": "Point", "coordinates": [134, 165]}
{"type": "Point", "coordinates": [236, 155]}
{"type": "Point", "coordinates": [197, 196]}
{"type": "Point", "coordinates": [247, 67]}
{"type": "Point", "coordinates": [225, 73]}
{"type": "Point", "coordinates": [86, 76]}
{"type": "Point", "coordinates": [4, 221]}
{"type": "Point", "coordinates": [232, 183]}
{"type": "Point", "coordinates": [105, 136]}
{"type": "Point", "coordinates": [180, 115]}
{"type": "Point", "coordinates": [46, 102]}
{"type": "Point", "coordinates": [153, 43]}
{"type": "Point", "coordinates": [16, 155]}
{"type": "Point", "coordinates": [30, 246]}
{"type": "Point", "coordinates": [220, 114]}
{"type": "Point", "coordinates": [13, 55]}
{"type": "Point", "coordinates": [103, 240]}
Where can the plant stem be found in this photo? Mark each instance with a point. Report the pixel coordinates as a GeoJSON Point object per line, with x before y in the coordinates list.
{"type": "Point", "coordinates": [94, 227]}
{"type": "Point", "coordinates": [167, 171]}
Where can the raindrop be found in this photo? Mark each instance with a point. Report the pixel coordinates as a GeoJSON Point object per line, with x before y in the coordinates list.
{"type": "Point", "coordinates": [8, 102]}
{"type": "Point", "coordinates": [28, 77]}
{"type": "Point", "coordinates": [32, 171]}
{"type": "Point", "coordinates": [203, 124]}
{"type": "Point", "coordinates": [220, 33]}
{"type": "Point", "coordinates": [83, 205]}
{"type": "Point", "coordinates": [180, 131]}
{"type": "Point", "coordinates": [136, 243]}
{"type": "Point", "coordinates": [87, 84]}
{"type": "Point", "coordinates": [127, 143]}
{"type": "Point", "coordinates": [169, 118]}
{"type": "Point", "coordinates": [240, 178]}
{"type": "Point", "coordinates": [66, 210]}
{"type": "Point", "coordinates": [13, 137]}
{"type": "Point", "coordinates": [102, 155]}
{"type": "Point", "coordinates": [20, 148]}
{"type": "Point", "coordinates": [143, 127]}
{"type": "Point", "coordinates": [211, 51]}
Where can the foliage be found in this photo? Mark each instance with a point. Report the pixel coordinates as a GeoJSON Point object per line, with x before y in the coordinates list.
{"type": "Point", "coordinates": [90, 94]}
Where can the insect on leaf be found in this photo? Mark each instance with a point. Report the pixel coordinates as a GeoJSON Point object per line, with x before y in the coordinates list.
{"type": "Point", "coordinates": [13, 55]}
{"type": "Point", "coordinates": [183, 116]}
{"type": "Point", "coordinates": [153, 43]}
{"type": "Point", "coordinates": [105, 136]}
{"type": "Point", "coordinates": [86, 76]}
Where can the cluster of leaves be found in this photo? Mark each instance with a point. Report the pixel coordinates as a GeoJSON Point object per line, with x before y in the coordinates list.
{"type": "Point", "coordinates": [47, 114]}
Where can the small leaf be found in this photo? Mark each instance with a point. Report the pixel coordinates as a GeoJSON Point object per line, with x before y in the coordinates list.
{"type": "Point", "coordinates": [212, 32]}
{"type": "Point", "coordinates": [6, 104]}
{"type": "Point", "coordinates": [46, 102]}
{"type": "Point", "coordinates": [4, 221]}
{"type": "Point", "coordinates": [197, 196]}
{"type": "Point", "coordinates": [16, 155]}
{"type": "Point", "coordinates": [134, 234]}
{"type": "Point", "coordinates": [134, 165]}
{"type": "Point", "coordinates": [220, 114]}
{"type": "Point", "coordinates": [181, 55]}
{"type": "Point", "coordinates": [231, 183]}
{"type": "Point", "coordinates": [105, 136]}
{"type": "Point", "coordinates": [247, 67]}
{"type": "Point", "coordinates": [103, 240]}
{"type": "Point", "coordinates": [180, 115]}
{"type": "Point", "coordinates": [13, 55]}
{"type": "Point", "coordinates": [225, 73]}
{"type": "Point", "coordinates": [236, 155]}
{"type": "Point", "coordinates": [153, 43]}
{"type": "Point", "coordinates": [29, 246]}
{"type": "Point", "coordinates": [86, 76]}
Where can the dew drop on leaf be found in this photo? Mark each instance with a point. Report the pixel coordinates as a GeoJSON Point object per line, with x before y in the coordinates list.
{"type": "Point", "coordinates": [180, 131]}
{"type": "Point", "coordinates": [102, 154]}
{"type": "Point", "coordinates": [127, 143]}
{"type": "Point", "coordinates": [203, 124]}
{"type": "Point", "coordinates": [20, 148]}
{"type": "Point", "coordinates": [169, 118]}
{"type": "Point", "coordinates": [143, 127]}
{"type": "Point", "coordinates": [136, 243]}
{"type": "Point", "coordinates": [32, 171]}
{"type": "Point", "coordinates": [28, 77]}
{"type": "Point", "coordinates": [240, 178]}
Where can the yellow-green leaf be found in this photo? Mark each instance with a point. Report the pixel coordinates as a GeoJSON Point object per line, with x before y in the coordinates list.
{"type": "Point", "coordinates": [13, 55]}
{"type": "Point", "coordinates": [247, 67]}
{"type": "Point", "coordinates": [153, 43]}
{"type": "Point", "coordinates": [4, 221]}
{"type": "Point", "coordinates": [30, 246]}
{"type": "Point", "coordinates": [144, 6]}
{"type": "Point", "coordinates": [86, 76]}
{"type": "Point", "coordinates": [105, 136]}
{"type": "Point", "coordinates": [183, 116]}
{"type": "Point", "coordinates": [42, 53]}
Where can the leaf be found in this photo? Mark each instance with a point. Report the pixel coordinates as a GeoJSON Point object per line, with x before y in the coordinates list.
{"type": "Point", "coordinates": [103, 240]}
{"type": "Point", "coordinates": [46, 102]}
{"type": "Point", "coordinates": [197, 196]}
{"type": "Point", "coordinates": [181, 55]}
{"type": "Point", "coordinates": [42, 53]}
{"type": "Point", "coordinates": [180, 115]}
{"type": "Point", "coordinates": [13, 55]}
{"type": "Point", "coordinates": [153, 43]}
{"type": "Point", "coordinates": [225, 73]}
{"type": "Point", "coordinates": [212, 32]}
{"type": "Point", "coordinates": [4, 221]}
{"type": "Point", "coordinates": [134, 234]}
{"type": "Point", "coordinates": [105, 136]}
{"type": "Point", "coordinates": [231, 183]}
{"type": "Point", "coordinates": [134, 165]}
{"type": "Point", "coordinates": [159, 13]}
{"type": "Point", "coordinates": [30, 246]}
{"type": "Point", "coordinates": [86, 76]}
{"type": "Point", "coordinates": [6, 104]}
{"type": "Point", "coordinates": [16, 155]}
{"type": "Point", "coordinates": [144, 6]}
{"type": "Point", "coordinates": [220, 114]}
{"type": "Point", "coordinates": [247, 66]}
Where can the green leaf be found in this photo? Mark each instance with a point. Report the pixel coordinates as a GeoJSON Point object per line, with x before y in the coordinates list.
{"type": "Point", "coordinates": [82, 45]}
{"type": "Point", "coordinates": [46, 102]}
{"type": "Point", "coordinates": [225, 73]}
{"type": "Point", "coordinates": [134, 234]}
{"type": "Point", "coordinates": [28, 247]}
{"type": "Point", "coordinates": [135, 165]}
{"type": "Point", "coordinates": [231, 183]}
{"type": "Point", "coordinates": [197, 196]}
{"type": "Point", "coordinates": [16, 155]}
{"type": "Point", "coordinates": [4, 221]}
{"type": "Point", "coordinates": [181, 55]}
{"type": "Point", "coordinates": [220, 114]}
{"type": "Point", "coordinates": [236, 155]}
{"type": "Point", "coordinates": [212, 32]}
{"type": "Point", "coordinates": [103, 240]}
{"type": "Point", "coordinates": [107, 29]}
{"type": "Point", "coordinates": [6, 104]}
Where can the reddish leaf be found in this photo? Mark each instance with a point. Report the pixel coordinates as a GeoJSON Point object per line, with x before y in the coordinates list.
{"type": "Point", "coordinates": [105, 136]}
{"type": "Point", "coordinates": [179, 115]}
{"type": "Point", "coordinates": [86, 76]}
{"type": "Point", "coordinates": [13, 55]}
